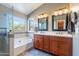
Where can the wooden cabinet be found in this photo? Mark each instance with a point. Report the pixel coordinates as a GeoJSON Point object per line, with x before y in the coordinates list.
{"type": "Point", "coordinates": [64, 46]}
{"type": "Point", "coordinates": [38, 41]}
{"type": "Point", "coordinates": [46, 43]}
{"type": "Point", "coordinates": [61, 46]}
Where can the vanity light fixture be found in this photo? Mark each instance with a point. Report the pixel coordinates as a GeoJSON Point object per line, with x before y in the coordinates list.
{"type": "Point", "coordinates": [61, 11]}
{"type": "Point", "coordinates": [55, 13]}
{"type": "Point", "coordinates": [39, 17]}
{"type": "Point", "coordinates": [42, 15]}
{"type": "Point", "coordinates": [65, 11]}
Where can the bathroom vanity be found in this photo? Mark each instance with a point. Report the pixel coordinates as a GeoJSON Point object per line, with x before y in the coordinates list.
{"type": "Point", "coordinates": [56, 44]}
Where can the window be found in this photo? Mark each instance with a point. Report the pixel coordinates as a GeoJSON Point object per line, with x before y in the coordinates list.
{"type": "Point", "coordinates": [31, 24]}
{"type": "Point", "coordinates": [19, 24]}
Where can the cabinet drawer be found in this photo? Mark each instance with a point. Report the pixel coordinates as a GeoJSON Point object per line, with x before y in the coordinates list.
{"type": "Point", "coordinates": [38, 37]}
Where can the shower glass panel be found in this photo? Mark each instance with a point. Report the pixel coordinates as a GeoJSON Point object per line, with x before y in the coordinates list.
{"type": "Point", "coordinates": [5, 26]}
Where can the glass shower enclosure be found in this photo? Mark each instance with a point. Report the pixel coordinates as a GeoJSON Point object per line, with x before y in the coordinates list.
{"type": "Point", "coordinates": [5, 27]}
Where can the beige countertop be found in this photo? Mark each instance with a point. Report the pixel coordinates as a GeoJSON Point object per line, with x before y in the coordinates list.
{"type": "Point", "coordinates": [62, 34]}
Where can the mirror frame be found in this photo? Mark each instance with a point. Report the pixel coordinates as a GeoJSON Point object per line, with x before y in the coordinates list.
{"type": "Point", "coordinates": [65, 23]}
{"type": "Point", "coordinates": [46, 24]}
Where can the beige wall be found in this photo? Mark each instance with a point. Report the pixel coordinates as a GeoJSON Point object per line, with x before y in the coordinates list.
{"type": "Point", "coordinates": [47, 8]}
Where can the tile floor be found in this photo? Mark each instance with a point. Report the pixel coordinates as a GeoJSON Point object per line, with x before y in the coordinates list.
{"type": "Point", "coordinates": [36, 52]}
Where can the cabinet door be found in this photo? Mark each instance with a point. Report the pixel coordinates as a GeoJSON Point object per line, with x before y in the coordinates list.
{"type": "Point", "coordinates": [40, 44]}
{"type": "Point", "coordinates": [53, 45]}
{"type": "Point", "coordinates": [38, 41]}
{"type": "Point", "coordinates": [46, 43]}
{"type": "Point", "coordinates": [64, 46]}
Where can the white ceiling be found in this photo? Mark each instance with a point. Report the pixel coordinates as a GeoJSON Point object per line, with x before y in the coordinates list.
{"type": "Point", "coordinates": [25, 8]}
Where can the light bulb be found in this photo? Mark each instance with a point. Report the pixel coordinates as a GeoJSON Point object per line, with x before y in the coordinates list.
{"type": "Point", "coordinates": [60, 12]}
{"type": "Point", "coordinates": [39, 17]}
{"type": "Point", "coordinates": [65, 11]}
{"type": "Point", "coordinates": [45, 15]}
{"type": "Point", "coordinates": [56, 13]}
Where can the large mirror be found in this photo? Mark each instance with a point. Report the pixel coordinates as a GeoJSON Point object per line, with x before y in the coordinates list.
{"type": "Point", "coordinates": [60, 22]}
{"type": "Point", "coordinates": [43, 24]}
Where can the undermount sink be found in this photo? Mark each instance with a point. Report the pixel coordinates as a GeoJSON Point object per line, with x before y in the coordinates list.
{"type": "Point", "coordinates": [42, 32]}
{"type": "Point", "coordinates": [59, 33]}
